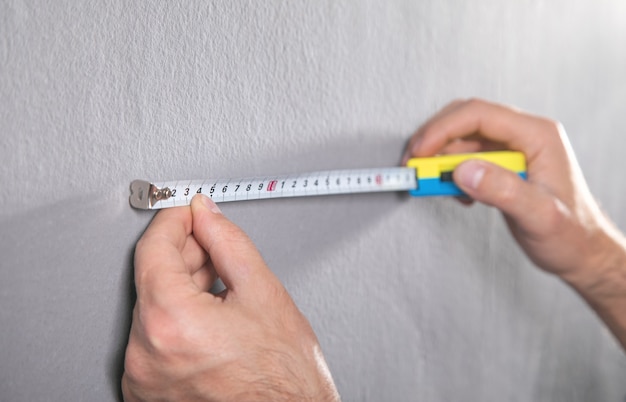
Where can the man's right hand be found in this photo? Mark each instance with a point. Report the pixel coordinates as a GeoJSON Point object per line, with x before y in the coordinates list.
{"type": "Point", "coordinates": [248, 343]}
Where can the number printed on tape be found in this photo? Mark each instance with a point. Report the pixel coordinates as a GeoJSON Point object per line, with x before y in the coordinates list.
{"type": "Point", "coordinates": [179, 193]}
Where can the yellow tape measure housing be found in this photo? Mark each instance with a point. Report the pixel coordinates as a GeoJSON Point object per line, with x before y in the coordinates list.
{"type": "Point", "coordinates": [434, 174]}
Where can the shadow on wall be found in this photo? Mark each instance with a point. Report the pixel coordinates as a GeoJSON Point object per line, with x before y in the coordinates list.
{"type": "Point", "coordinates": [292, 232]}
{"type": "Point", "coordinates": [67, 294]}
{"type": "Point", "coordinates": [66, 280]}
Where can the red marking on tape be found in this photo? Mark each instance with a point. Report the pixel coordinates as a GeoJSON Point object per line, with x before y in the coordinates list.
{"type": "Point", "coordinates": [379, 179]}
{"type": "Point", "coordinates": [271, 186]}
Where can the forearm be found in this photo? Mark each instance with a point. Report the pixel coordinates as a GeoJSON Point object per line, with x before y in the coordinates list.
{"type": "Point", "coordinates": [604, 287]}
{"type": "Point", "coordinates": [566, 234]}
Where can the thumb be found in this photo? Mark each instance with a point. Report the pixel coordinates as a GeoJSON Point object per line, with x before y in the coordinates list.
{"type": "Point", "coordinates": [501, 188]}
{"type": "Point", "coordinates": [235, 258]}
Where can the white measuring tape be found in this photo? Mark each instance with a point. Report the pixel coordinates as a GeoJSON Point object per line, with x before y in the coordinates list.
{"type": "Point", "coordinates": [430, 176]}
{"type": "Point", "coordinates": [146, 195]}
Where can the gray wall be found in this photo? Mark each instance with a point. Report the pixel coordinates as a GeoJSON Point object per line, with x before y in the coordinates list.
{"type": "Point", "coordinates": [412, 299]}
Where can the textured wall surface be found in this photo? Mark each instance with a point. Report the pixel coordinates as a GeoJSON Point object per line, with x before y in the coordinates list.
{"type": "Point", "coordinates": [413, 300]}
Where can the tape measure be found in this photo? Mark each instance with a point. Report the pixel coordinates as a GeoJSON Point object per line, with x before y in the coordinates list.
{"type": "Point", "coordinates": [421, 177]}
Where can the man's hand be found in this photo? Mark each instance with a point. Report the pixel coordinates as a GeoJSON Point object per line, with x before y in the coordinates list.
{"type": "Point", "coordinates": [248, 343]}
{"type": "Point", "coordinates": [552, 215]}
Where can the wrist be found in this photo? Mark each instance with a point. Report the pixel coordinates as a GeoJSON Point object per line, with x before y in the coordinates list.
{"type": "Point", "coordinates": [603, 273]}
{"type": "Point", "coordinates": [603, 284]}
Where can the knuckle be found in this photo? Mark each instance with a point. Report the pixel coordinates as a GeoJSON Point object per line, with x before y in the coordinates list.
{"type": "Point", "coordinates": [552, 128]}
{"type": "Point", "coordinates": [140, 245]}
{"type": "Point", "coordinates": [554, 217]}
{"type": "Point", "coordinates": [229, 233]}
{"type": "Point", "coordinates": [474, 102]}
{"type": "Point", "coordinates": [135, 369]}
{"type": "Point", "coordinates": [232, 233]}
{"type": "Point", "coordinates": [273, 293]}
{"type": "Point", "coordinates": [507, 190]}
{"type": "Point", "coordinates": [277, 292]}
{"type": "Point", "coordinates": [160, 332]}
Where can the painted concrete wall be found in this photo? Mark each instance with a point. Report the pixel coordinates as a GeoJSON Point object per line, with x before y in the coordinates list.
{"type": "Point", "coordinates": [413, 300]}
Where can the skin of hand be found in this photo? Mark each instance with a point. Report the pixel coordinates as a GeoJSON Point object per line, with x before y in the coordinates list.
{"type": "Point", "coordinates": [552, 214]}
{"type": "Point", "coordinates": [248, 343]}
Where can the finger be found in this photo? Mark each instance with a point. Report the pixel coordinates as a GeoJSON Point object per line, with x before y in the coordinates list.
{"type": "Point", "coordinates": [417, 137]}
{"type": "Point", "coordinates": [465, 200]}
{"type": "Point", "coordinates": [159, 266]}
{"type": "Point", "coordinates": [194, 255]}
{"type": "Point", "coordinates": [461, 147]}
{"type": "Point", "coordinates": [235, 258]}
{"type": "Point", "coordinates": [205, 277]}
{"type": "Point", "coordinates": [493, 185]}
{"type": "Point", "coordinates": [515, 130]}
{"type": "Point", "coordinates": [470, 144]}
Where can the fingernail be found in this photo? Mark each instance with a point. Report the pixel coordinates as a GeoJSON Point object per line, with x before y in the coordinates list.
{"type": "Point", "coordinates": [208, 202]}
{"type": "Point", "coordinates": [470, 174]}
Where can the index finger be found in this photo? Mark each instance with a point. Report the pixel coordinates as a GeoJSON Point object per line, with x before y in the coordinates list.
{"type": "Point", "coordinates": [516, 130]}
{"type": "Point", "coordinates": [159, 263]}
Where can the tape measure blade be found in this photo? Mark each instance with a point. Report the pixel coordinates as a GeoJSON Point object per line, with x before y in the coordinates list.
{"type": "Point", "coordinates": [179, 193]}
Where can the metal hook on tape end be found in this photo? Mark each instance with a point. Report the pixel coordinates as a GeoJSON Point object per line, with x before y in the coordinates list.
{"type": "Point", "coordinates": [143, 194]}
